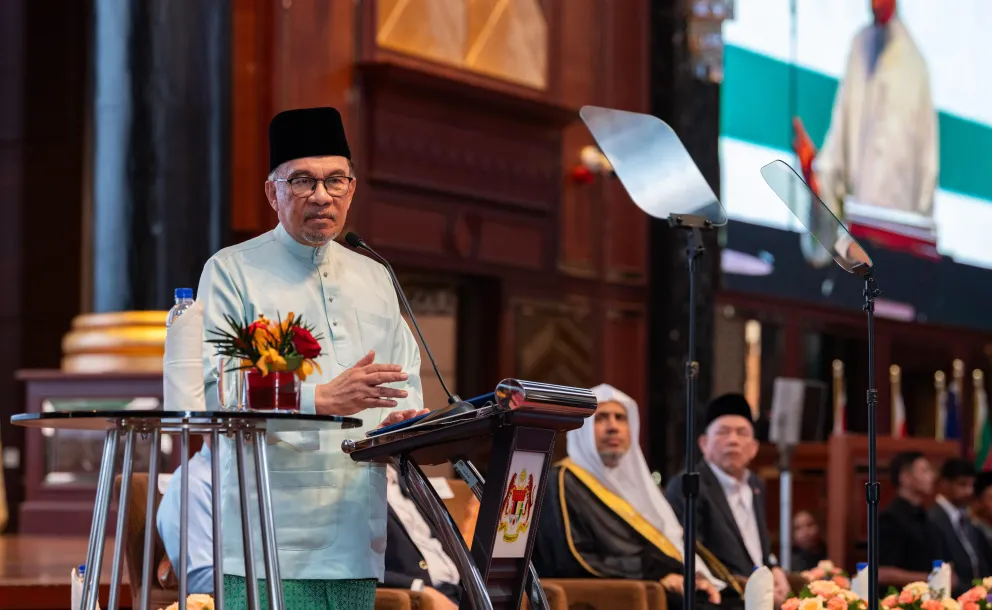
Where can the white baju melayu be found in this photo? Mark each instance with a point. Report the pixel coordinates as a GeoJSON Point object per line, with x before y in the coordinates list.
{"type": "Point", "coordinates": [330, 511]}
{"type": "Point", "coordinates": [630, 479]}
{"type": "Point", "coordinates": [881, 148]}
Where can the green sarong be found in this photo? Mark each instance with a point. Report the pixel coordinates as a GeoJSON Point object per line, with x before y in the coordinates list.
{"type": "Point", "coordinates": [304, 594]}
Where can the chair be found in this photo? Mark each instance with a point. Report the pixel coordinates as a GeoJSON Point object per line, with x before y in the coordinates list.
{"type": "Point", "coordinates": [393, 599]}
{"type": "Point", "coordinates": [606, 593]}
{"type": "Point", "coordinates": [134, 541]}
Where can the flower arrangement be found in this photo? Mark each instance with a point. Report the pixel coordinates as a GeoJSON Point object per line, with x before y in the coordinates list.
{"type": "Point", "coordinates": [825, 595]}
{"type": "Point", "coordinates": [918, 596]}
{"type": "Point", "coordinates": [826, 570]}
{"type": "Point", "coordinates": [979, 597]}
{"type": "Point", "coordinates": [197, 601]}
{"type": "Point", "coordinates": [270, 346]}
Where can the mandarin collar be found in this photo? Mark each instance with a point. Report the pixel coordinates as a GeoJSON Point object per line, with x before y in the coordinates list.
{"type": "Point", "coordinates": [301, 251]}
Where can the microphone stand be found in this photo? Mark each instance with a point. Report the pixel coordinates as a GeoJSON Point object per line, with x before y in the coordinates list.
{"type": "Point", "coordinates": [690, 480]}
{"type": "Point", "coordinates": [871, 487]}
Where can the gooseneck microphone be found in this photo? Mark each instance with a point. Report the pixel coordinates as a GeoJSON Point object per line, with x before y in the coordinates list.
{"type": "Point", "coordinates": [358, 243]}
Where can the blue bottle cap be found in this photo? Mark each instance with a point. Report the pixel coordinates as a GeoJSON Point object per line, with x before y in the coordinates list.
{"type": "Point", "coordinates": [862, 565]}
{"type": "Point", "coordinates": [82, 569]}
{"type": "Point", "coordinates": [937, 564]}
{"type": "Point", "coordinates": [755, 568]}
{"type": "Point", "coordinates": [184, 293]}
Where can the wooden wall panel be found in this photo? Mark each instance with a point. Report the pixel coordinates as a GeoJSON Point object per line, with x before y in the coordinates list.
{"type": "Point", "coordinates": [625, 236]}
{"type": "Point", "coordinates": [624, 350]}
{"type": "Point", "coordinates": [250, 112]}
{"type": "Point", "coordinates": [581, 44]}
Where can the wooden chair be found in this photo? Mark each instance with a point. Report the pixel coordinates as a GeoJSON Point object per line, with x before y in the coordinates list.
{"type": "Point", "coordinates": [164, 586]}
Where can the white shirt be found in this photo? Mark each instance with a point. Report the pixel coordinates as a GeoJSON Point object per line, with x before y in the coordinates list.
{"type": "Point", "coordinates": [199, 545]}
{"type": "Point", "coordinates": [740, 497]}
{"type": "Point", "coordinates": [881, 148]}
{"type": "Point", "coordinates": [330, 511]}
{"type": "Point", "coordinates": [439, 565]}
{"type": "Point", "coordinates": [958, 520]}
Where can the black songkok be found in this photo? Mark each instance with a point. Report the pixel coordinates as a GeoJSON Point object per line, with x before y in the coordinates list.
{"type": "Point", "coordinates": [306, 132]}
{"type": "Point", "coordinates": [728, 404]}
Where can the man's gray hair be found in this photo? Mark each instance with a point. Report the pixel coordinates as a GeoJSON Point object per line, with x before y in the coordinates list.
{"type": "Point", "coordinates": [280, 170]}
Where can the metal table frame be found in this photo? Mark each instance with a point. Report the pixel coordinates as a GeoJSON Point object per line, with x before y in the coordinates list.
{"type": "Point", "coordinates": [244, 426]}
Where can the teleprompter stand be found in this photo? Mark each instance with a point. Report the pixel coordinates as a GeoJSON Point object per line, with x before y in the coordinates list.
{"type": "Point", "coordinates": [661, 178]}
{"type": "Point", "coordinates": [516, 431]}
{"type": "Point", "coordinates": [820, 221]}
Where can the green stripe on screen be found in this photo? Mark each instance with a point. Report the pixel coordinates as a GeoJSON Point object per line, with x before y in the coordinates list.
{"type": "Point", "coordinates": [755, 108]}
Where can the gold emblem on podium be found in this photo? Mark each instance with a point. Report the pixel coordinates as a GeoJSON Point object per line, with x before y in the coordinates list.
{"type": "Point", "coordinates": [518, 505]}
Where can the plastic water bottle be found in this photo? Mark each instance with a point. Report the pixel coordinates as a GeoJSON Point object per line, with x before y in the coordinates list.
{"type": "Point", "coordinates": [937, 579]}
{"type": "Point", "coordinates": [184, 300]}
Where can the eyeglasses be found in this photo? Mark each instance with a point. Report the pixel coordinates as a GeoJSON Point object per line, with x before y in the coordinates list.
{"type": "Point", "coordinates": [305, 186]}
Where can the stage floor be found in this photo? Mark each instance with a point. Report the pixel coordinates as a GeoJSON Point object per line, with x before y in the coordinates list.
{"type": "Point", "coordinates": [35, 572]}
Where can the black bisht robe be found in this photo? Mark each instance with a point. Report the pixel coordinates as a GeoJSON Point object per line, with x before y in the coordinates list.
{"type": "Point", "coordinates": [586, 533]}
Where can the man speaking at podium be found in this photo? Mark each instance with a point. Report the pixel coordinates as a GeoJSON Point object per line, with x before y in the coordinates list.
{"type": "Point", "coordinates": [329, 511]}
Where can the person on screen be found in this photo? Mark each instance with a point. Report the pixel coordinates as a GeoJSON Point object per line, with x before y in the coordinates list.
{"type": "Point", "coordinates": [605, 517]}
{"type": "Point", "coordinates": [881, 146]}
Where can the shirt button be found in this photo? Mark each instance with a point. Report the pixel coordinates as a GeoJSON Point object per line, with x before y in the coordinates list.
{"type": "Point", "coordinates": [330, 299]}
{"type": "Point", "coordinates": [334, 323]}
{"type": "Point", "coordinates": [325, 274]}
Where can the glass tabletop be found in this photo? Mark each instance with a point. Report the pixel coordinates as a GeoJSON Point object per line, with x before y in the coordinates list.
{"type": "Point", "coordinates": [197, 421]}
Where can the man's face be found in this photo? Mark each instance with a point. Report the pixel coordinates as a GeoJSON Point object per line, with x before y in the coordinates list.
{"type": "Point", "coordinates": [805, 531]}
{"type": "Point", "coordinates": [883, 10]}
{"type": "Point", "coordinates": [959, 491]}
{"type": "Point", "coordinates": [312, 219]}
{"type": "Point", "coordinates": [919, 477]}
{"type": "Point", "coordinates": [729, 444]}
{"type": "Point", "coordinates": [612, 432]}
{"type": "Point", "coordinates": [984, 502]}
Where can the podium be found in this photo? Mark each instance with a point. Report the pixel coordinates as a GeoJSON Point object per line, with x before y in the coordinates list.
{"type": "Point", "coordinates": [516, 426]}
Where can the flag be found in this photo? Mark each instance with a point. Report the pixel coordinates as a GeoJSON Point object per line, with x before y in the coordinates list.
{"type": "Point", "coordinates": [840, 412]}
{"type": "Point", "coordinates": [952, 415]}
{"type": "Point", "coordinates": [983, 431]}
{"type": "Point", "coordinates": [898, 415]}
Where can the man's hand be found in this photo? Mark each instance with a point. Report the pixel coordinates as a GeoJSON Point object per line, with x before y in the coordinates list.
{"type": "Point", "coordinates": [360, 388]}
{"type": "Point", "coordinates": [397, 416]}
{"type": "Point", "coordinates": [707, 587]}
{"type": "Point", "coordinates": [438, 599]}
{"type": "Point", "coordinates": [673, 583]}
{"type": "Point", "coordinates": [781, 586]}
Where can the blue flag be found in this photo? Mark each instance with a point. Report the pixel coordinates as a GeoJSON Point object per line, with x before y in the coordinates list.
{"type": "Point", "coordinates": [952, 420]}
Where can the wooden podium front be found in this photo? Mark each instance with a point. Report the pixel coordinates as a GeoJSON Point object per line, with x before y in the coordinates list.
{"type": "Point", "coordinates": [517, 429]}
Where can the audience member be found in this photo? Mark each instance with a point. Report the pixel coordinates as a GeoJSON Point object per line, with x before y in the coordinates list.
{"type": "Point", "coordinates": [981, 506]}
{"type": "Point", "coordinates": [415, 558]}
{"type": "Point", "coordinates": [730, 509]}
{"type": "Point", "coordinates": [907, 540]}
{"type": "Point", "coordinates": [808, 549]}
{"type": "Point", "coordinates": [604, 516]}
{"type": "Point", "coordinates": [960, 541]}
{"type": "Point", "coordinates": [200, 528]}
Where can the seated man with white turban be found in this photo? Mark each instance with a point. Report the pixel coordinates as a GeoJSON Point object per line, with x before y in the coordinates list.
{"type": "Point", "coordinates": [604, 516]}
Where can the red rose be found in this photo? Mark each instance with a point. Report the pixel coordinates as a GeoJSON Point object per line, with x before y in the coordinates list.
{"type": "Point", "coordinates": [304, 343]}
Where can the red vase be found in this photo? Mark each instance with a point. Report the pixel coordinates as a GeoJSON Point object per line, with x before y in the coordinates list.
{"type": "Point", "coordinates": [273, 391]}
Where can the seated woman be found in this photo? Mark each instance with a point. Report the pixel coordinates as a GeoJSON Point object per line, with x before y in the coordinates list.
{"type": "Point", "coordinates": [604, 516]}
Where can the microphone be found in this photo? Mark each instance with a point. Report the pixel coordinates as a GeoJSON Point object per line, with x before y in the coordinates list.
{"type": "Point", "coordinates": [456, 404]}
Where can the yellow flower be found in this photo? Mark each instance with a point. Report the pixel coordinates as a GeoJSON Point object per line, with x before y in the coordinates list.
{"type": "Point", "coordinates": [950, 603]}
{"type": "Point", "coordinates": [270, 360]}
{"type": "Point", "coordinates": [812, 603]}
